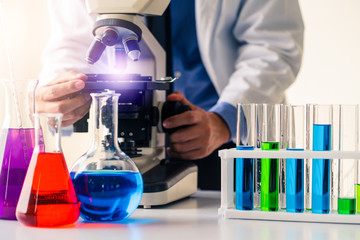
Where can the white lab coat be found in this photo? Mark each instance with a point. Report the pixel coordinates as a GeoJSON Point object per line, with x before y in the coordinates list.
{"type": "Point", "coordinates": [251, 49]}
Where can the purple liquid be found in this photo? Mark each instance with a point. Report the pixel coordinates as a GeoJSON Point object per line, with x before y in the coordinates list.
{"type": "Point", "coordinates": [19, 147]}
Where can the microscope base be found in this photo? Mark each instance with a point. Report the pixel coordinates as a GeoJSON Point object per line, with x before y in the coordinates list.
{"type": "Point", "coordinates": [168, 182]}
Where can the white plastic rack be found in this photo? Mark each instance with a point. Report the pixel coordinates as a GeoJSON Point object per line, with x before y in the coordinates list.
{"type": "Point", "coordinates": [227, 208]}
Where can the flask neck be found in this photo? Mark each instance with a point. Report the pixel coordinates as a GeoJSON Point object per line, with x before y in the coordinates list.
{"type": "Point", "coordinates": [48, 132]}
{"type": "Point", "coordinates": [19, 103]}
{"type": "Point", "coordinates": [104, 121]}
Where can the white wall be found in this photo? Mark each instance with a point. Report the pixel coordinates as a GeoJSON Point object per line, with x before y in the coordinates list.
{"type": "Point", "coordinates": [26, 31]}
{"type": "Point", "coordinates": [330, 71]}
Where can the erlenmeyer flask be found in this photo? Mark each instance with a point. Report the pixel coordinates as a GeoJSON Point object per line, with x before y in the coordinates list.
{"type": "Point", "coordinates": [16, 143]}
{"type": "Point", "coordinates": [47, 198]}
{"type": "Point", "coordinates": [107, 182]}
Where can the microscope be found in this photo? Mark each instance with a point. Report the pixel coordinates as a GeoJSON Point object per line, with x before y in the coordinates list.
{"type": "Point", "coordinates": [139, 64]}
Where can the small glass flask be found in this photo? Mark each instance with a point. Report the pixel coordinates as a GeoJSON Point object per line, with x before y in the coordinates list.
{"type": "Point", "coordinates": [48, 198]}
{"type": "Point", "coordinates": [17, 143]}
{"type": "Point", "coordinates": [107, 182]}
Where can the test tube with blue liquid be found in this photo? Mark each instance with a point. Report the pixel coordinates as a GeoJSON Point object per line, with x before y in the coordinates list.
{"type": "Point", "coordinates": [295, 166]}
{"type": "Point", "coordinates": [321, 167]}
{"type": "Point", "coordinates": [271, 137]}
{"type": "Point", "coordinates": [245, 140]}
{"type": "Point", "coordinates": [349, 123]}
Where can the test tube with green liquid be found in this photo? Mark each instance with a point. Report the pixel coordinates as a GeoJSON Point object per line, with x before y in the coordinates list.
{"type": "Point", "coordinates": [349, 122]}
{"type": "Point", "coordinates": [271, 136]}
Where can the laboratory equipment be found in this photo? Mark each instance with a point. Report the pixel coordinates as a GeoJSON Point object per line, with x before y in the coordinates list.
{"type": "Point", "coordinates": [321, 167]}
{"type": "Point", "coordinates": [308, 161]}
{"type": "Point", "coordinates": [271, 137]}
{"type": "Point", "coordinates": [107, 182]}
{"type": "Point", "coordinates": [138, 63]}
{"type": "Point", "coordinates": [320, 135]}
{"type": "Point", "coordinates": [257, 161]}
{"type": "Point", "coordinates": [295, 166]}
{"type": "Point", "coordinates": [48, 197]}
{"type": "Point", "coordinates": [358, 190]}
{"type": "Point", "coordinates": [17, 142]}
{"type": "Point", "coordinates": [120, 26]}
{"type": "Point", "coordinates": [245, 140]}
{"type": "Point", "coordinates": [349, 124]}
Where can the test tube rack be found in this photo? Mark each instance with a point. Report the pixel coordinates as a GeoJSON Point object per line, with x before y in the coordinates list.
{"type": "Point", "coordinates": [227, 208]}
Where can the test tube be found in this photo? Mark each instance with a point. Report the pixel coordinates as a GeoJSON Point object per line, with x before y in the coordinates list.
{"type": "Point", "coordinates": [321, 167]}
{"type": "Point", "coordinates": [245, 140]}
{"type": "Point", "coordinates": [271, 135]}
{"type": "Point", "coordinates": [308, 162]}
{"type": "Point", "coordinates": [349, 121]}
{"type": "Point", "coordinates": [295, 166]}
{"type": "Point", "coordinates": [334, 169]}
{"type": "Point", "coordinates": [257, 165]}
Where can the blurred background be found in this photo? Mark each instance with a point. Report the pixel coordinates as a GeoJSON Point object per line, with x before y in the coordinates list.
{"type": "Point", "coordinates": [330, 71]}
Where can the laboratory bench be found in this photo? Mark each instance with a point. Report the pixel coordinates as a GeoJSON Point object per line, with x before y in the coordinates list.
{"type": "Point", "coordinates": [195, 217]}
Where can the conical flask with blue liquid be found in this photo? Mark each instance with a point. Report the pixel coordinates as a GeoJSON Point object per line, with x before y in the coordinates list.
{"type": "Point", "coordinates": [107, 182]}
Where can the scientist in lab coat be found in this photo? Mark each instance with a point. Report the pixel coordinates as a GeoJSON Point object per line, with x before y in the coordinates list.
{"type": "Point", "coordinates": [226, 51]}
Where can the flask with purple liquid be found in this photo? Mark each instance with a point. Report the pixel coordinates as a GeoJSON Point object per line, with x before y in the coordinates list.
{"type": "Point", "coordinates": [16, 143]}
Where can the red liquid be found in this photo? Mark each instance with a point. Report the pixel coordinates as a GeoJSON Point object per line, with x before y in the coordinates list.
{"type": "Point", "coordinates": [52, 200]}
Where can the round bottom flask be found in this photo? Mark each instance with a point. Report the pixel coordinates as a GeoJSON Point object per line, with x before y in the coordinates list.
{"type": "Point", "coordinates": [107, 182]}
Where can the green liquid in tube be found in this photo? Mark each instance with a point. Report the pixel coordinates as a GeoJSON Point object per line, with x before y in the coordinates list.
{"type": "Point", "coordinates": [358, 198]}
{"type": "Point", "coordinates": [346, 205]}
{"type": "Point", "coordinates": [270, 179]}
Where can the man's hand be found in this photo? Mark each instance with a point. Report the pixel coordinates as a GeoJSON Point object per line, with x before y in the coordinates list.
{"type": "Point", "coordinates": [201, 132]}
{"type": "Point", "coordinates": [62, 95]}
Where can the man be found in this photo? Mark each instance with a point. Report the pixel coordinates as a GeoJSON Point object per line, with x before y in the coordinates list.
{"type": "Point", "coordinates": [231, 51]}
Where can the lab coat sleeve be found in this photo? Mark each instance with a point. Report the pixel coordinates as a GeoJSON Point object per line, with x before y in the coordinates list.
{"type": "Point", "coordinates": [69, 40]}
{"type": "Point", "coordinates": [269, 35]}
{"type": "Point", "coordinates": [252, 49]}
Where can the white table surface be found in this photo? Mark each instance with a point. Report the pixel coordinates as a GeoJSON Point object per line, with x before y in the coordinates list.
{"type": "Point", "coordinates": [192, 218]}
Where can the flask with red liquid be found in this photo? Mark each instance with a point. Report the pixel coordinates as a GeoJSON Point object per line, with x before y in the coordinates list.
{"type": "Point", "coordinates": [16, 143]}
{"type": "Point", "coordinates": [48, 197]}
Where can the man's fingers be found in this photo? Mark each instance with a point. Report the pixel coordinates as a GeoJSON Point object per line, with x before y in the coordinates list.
{"type": "Point", "coordinates": [183, 119]}
{"type": "Point", "coordinates": [64, 106]}
{"type": "Point", "coordinates": [66, 76]}
{"type": "Point", "coordinates": [178, 96]}
{"type": "Point", "coordinates": [60, 90]}
{"type": "Point", "coordinates": [77, 113]}
{"type": "Point", "coordinates": [190, 133]}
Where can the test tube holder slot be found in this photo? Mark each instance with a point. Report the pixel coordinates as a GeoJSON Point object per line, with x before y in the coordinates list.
{"type": "Point", "coordinates": [227, 208]}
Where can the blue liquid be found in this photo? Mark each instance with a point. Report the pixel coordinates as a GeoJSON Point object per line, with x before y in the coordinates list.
{"type": "Point", "coordinates": [244, 186]}
{"type": "Point", "coordinates": [294, 184]}
{"type": "Point", "coordinates": [321, 170]}
{"type": "Point", "coordinates": [107, 195]}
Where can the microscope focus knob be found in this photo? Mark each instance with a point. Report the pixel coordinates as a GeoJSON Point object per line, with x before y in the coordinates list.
{"type": "Point", "coordinates": [155, 116]}
{"type": "Point", "coordinates": [171, 109]}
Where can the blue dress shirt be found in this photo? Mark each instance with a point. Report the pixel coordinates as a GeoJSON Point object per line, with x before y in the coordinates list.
{"type": "Point", "coordinates": [194, 81]}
